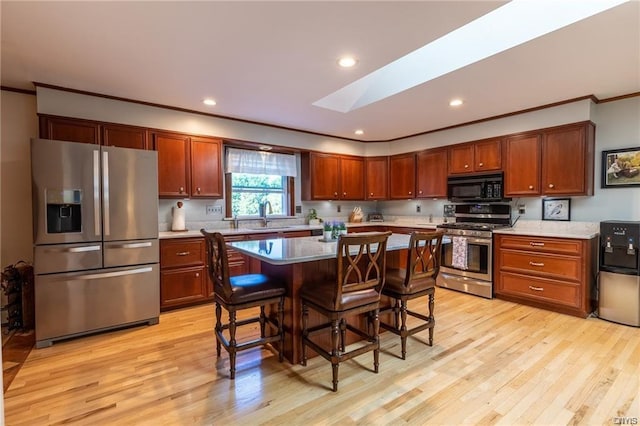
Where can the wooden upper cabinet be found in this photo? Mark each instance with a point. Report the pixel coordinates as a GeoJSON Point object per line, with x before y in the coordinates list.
{"type": "Point", "coordinates": [522, 165]}
{"type": "Point", "coordinates": [69, 129]}
{"type": "Point", "coordinates": [567, 160]}
{"type": "Point", "coordinates": [173, 164]}
{"type": "Point", "coordinates": [431, 173]}
{"type": "Point", "coordinates": [124, 136]}
{"type": "Point", "coordinates": [475, 157]}
{"type": "Point", "coordinates": [351, 178]}
{"type": "Point", "coordinates": [206, 167]}
{"type": "Point", "coordinates": [376, 178]}
{"type": "Point", "coordinates": [402, 176]}
{"type": "Point", "coordinates": [332, 177]}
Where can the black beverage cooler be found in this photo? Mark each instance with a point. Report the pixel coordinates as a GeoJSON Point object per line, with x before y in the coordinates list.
{"type": "Point", "coordinates": [619, 277]}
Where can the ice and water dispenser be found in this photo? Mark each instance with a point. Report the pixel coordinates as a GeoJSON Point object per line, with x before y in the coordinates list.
{"type": "Point", "coordinates": [619, 277]}
{"type": "Point", "coordinates": [64, 210]}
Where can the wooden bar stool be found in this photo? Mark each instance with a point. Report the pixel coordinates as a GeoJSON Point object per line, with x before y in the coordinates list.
{"type": "Point", "coordinates": [416, 280]}
{"type": "Point", "coordinates": [238, 293]}
{"type": "Point", "coordinates": [360, 272]}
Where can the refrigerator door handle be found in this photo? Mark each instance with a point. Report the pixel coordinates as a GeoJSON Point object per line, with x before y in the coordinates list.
{"type": "Point", "coordinates": [105, 190]}
{"type": "Point", "coordinates": [112, 274]}
{"type": "Point", "coordinates": [132, 245]}
{"type": "Point", "coordinates": [96, 192]}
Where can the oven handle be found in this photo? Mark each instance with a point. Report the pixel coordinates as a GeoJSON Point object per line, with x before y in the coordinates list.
{"type": "Point", "coordinates": [471, 240]}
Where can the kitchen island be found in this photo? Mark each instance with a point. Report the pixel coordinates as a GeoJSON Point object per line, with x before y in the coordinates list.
{"type": "Point", "coordinates": [295, 261]}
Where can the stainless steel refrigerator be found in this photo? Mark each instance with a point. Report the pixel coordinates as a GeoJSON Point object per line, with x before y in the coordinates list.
{"type": "Point", "coordinates": [96, 255]}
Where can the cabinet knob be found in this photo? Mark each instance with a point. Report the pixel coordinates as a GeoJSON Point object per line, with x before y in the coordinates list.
{"type": "Point", "coordinates": [410, 192]}
{"type": "Point", "coordinates": [420, 192]}
{"type": "Point", "coordinates": [466, 166]}
{"type": "Point", "coordinates": [181, 189]}
{"type": "Point", "coordinates": [335, 194]}
{"type": "Point", "coordinates": [198, 189]}
{"type": "Point", "coordinates": [371, 195]}
{"type": "Point", "coordinates": [344, 194]}
{"type": "Point", "coordinates": [530, 186]}
{"type": "Point", "coordinates": [480, 164]}
{"type": "Point", "coordinates": [551, 185]}
{"type": "Point", "coordinates": [197, 274]}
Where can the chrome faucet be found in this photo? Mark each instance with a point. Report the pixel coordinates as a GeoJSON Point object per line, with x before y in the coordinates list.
{"type": "Point", "coordinates": [262, 210]}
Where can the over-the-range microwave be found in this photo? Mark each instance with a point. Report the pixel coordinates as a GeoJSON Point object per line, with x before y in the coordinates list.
{"type": "Point", "coordinates": [476, 188]}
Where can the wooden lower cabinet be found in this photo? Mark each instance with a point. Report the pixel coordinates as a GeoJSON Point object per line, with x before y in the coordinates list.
{"type": "Point", "coordinates": [183, 274]}
{"type": "Point", "coordinates": [551, 273]}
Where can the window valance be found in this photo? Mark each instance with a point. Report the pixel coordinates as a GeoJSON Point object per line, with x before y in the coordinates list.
{"type": "Point", "coordinates": [260, 162]}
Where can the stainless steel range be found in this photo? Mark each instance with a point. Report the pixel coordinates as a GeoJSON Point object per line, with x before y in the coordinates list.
{"type": "Point", "coordinates": [467, 249]}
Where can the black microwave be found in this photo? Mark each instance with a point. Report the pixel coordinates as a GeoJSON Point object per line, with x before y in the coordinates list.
{"type": "Point", "coordinates": [476, 188]}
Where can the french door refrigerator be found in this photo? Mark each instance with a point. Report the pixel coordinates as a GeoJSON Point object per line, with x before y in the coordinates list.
{"type": "Point", "coordinates": [96, 255]}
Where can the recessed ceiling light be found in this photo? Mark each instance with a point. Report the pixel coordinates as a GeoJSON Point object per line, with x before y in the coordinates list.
{"type": "Point", "coordinates": [347, 61]}
{"type": "Point", "coordinates": [455, 102]}
{"type": "Point", "coordinates": [359, 132]}
{"type": "Point", "coordinates": [209, 102]}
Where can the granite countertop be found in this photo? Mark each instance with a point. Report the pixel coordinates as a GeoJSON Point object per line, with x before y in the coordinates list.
{"type": "Point", "coordinates": [288, 228]}
{"type": "Point", "coordinates": [283, 251]}
{"type": "Point", "coordinates": [539, 228]}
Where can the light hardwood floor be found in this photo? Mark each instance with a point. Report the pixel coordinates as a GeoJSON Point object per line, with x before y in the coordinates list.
{"type": "Point", "coordinates": [493, 362]}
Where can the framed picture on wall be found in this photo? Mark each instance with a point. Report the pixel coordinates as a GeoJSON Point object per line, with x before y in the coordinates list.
{"type": "Point", "coordinates": [556, 209]}
{"type": "Point", "coordinates": [621, 167]}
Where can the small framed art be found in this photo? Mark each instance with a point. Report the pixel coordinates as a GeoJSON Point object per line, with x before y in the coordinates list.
{"type": "Point", "coordinates": [556, 209]}
{"type": "Point", "coordinates": [621, 167]}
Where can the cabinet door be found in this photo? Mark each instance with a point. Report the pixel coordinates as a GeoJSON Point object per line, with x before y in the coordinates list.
{"type": "Point", "coordinates": [431, 173]}
{"type": "Point", "coordinates": [124, 136]}
{"type": "Point", "coordinates": [487, 155]}
{"type": "Point", "coordinates": [323, 173]}
{"type": "Point", "coordinates": [522, 166]}
{"type": "Point", "coordinates": [351, 178]}
{"type": "Point", "coordinates": [206, 168]}
{"type": "Point", "coordinates": [564, 162]}
{"type": "Point", "coordinates": [182, 286]}
{"type": "Point", "coordinates": [376, 178]}
{"type": "Point", "coordinates": [402, 176]}
{"type": "Point", "coordinates": [173, 164]}
{"type": "Point", "coordinates": [461, 158]}
{"type": "Point", "coordinates": [69, 129]}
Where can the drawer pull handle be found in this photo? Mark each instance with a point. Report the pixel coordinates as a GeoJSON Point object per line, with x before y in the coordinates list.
{"type": "Point", "coordinates": [183, 253]}
{"type": "Point", "coordinates": [536, 263]}
{"type": "Point", "coordinates": [480, 164]}
{"type": "Point", "coordinates": [536, 244]}
{"type": "Point", "coordinates": [536, 288]}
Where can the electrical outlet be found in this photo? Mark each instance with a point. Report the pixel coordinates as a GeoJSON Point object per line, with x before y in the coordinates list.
{"type": "Point", "coordinates": [339, 208]}
{"type": "Point", "coordinates": [213, 209]}
{"type": "Point", "coordinates": [298, 209]}
{"type": "Point", "coordinates": [521, 209]}
{"type": "Point", "coordinates": [418, 208]}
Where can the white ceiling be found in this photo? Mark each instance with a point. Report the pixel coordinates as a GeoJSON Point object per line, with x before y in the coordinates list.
{"type": "Point", "coordinates": [269, 61]}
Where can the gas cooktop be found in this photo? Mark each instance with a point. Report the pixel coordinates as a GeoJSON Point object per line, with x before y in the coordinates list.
{"type": "Point", "coordinates": [473, 226]}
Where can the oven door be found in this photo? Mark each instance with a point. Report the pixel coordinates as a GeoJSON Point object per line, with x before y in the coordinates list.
{"type": "Point", "coordinates": [479, 258]}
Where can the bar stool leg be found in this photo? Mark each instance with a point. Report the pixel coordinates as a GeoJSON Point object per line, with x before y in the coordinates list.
{"type": "Point", "coordinates": [305, 333]}
{"type": "Point", "coordinates": [232, 343]}
{"type": "Point", "coordinates": [431, 318]}
{"type": "Point", "coordinates": [403, 327]}
{"type": "Point", "coordinates": [281, 328]}
{"type": "Point", "coordinates": [335, 354]}
{"type": "Point", "coordinates": [376, 338]}
{"type": "Point", "coordinates": [218, 327]}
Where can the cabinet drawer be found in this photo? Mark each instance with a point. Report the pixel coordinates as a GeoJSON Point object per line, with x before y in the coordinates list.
{"type": "Point", "coordinates": [552, 266]}
{"type": "Point", "coordinates": [553, 245]}
{"type": "Point", "coordinates": [540, 289]}
{"type": "Point", "coordinates": [185, 252]}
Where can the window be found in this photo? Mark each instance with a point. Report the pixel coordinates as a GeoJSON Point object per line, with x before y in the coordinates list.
{"type": "Point", "coordinates": [255, 177]}
{"type": "Point", "coordinates": [249, 190]}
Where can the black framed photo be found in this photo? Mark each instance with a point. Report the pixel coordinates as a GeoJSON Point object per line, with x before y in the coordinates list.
{"type": "Point", "coordinates": [556, 209]}
{"type": "Point", "coordinates": [621, 167]}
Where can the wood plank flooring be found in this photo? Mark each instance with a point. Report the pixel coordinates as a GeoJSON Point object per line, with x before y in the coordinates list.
{"type": "Point", "coordinates": [493, 362]}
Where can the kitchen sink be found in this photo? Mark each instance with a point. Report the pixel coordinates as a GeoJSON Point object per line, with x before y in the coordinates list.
{"type": "Point", "coordinates": [279, 228]}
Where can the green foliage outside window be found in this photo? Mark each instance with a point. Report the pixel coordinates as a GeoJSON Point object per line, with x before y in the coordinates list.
{"type": "Point", "coordinates": [249, 190]}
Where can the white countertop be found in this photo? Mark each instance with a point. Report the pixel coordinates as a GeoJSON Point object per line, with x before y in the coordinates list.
{"type": "Point", "coordinates": [541, 228]}
{"type": "Point", "coordinates": [283, 251]}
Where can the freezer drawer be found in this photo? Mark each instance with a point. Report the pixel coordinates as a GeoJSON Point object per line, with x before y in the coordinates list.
{"type": "Point", "coordinates": [73, 304]}
{"type": "Point", "coordinates": [67, 257]}
{"type": "Point", "coordinates": [126, 253]}
{"type": "Point", "coordinates": [619, 298]}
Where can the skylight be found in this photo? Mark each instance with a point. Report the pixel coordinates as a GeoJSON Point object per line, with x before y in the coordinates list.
{"type": "Point", "coordinates": [515, 23]}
